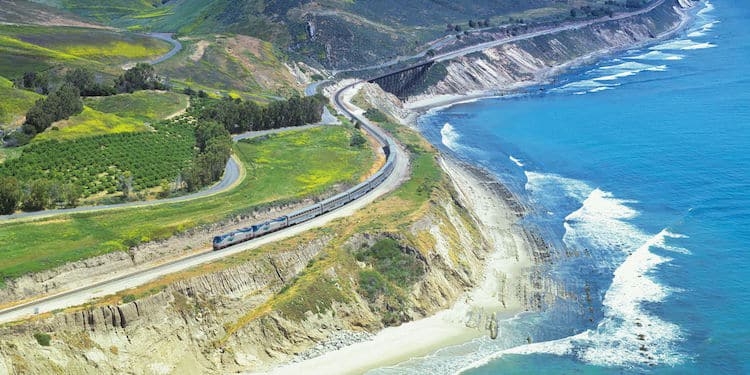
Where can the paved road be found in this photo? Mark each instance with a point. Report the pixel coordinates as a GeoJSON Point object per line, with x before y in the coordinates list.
{"type": "Point", "coordinates": [176, 46]}
{"type": "Point", "coordinates": [123, 282]}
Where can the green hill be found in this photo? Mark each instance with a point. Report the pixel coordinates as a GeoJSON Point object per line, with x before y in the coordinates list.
{"type": "Point", "coordinates": [142, 105]}
{"type": "Point", "coordinates": [14, 104]}
{"type": "Point", "coordinates": [37, 48]}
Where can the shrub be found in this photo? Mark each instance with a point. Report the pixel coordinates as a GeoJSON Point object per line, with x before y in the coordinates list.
{"type": "Point", "coordinates": [357, 140]}
{"type": "Point", "coordinates": [387, 257]}
{"type": "Point", "coordinates": [10, 194]}
{"type": "Point", "coordinates": [128, 298]}
{"type": "Point", "coordinates": [42, 338]}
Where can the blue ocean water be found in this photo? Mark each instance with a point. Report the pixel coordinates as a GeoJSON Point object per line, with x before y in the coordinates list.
{"type": "Point", "coordinates": [638, 172]}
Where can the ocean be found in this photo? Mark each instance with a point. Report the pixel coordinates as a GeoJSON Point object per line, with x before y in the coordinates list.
{"type": "Point", "coordinates": [637, 171]}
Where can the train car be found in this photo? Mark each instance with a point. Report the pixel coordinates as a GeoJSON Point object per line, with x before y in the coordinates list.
{"type": "Point", "coordinates": [304, 214]}
{"type": "Point", "coordinates": [334, 202]}
{"type": "Point", "coordinates": [233, 238]}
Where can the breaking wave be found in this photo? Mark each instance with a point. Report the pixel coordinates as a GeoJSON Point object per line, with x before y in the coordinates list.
{"type": "Point", "coordinates": [682, 45]}
{"type": "Point", "coordinates": [657, 55]}
{"type": "Point", "coordinates": [628, 335]}
{"type": "Point", "coordinates": [450, 137]}
{"type": "Point", "coordinates": [516, 161]}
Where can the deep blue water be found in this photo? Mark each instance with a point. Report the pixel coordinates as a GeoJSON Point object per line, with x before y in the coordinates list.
{"type": "Point", "coordinates": [640, 165]}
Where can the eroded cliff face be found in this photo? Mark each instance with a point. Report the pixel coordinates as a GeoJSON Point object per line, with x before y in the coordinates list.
{"type": "Point", "coordinates": [513, 65]}
{"type": "Point", "coordinates": [195, 325]}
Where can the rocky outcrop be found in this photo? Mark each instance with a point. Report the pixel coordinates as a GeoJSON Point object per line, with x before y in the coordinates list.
{"type": "Point", "coordinates": [530, 61]}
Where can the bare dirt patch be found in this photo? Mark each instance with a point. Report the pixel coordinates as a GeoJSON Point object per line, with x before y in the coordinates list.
{"type": "Point", "coordinates": [200, 49]}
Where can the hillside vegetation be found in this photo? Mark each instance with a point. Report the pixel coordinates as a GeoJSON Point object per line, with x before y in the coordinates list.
{"type": "Point", "coordinates": [143, 105]}
{"type": "Point", "coordinates": [281, 168]}
{"type": "Point", "coordinates": [88, 123]}
{"type": "Point", "coordinates": [14, 104]}
{"type": "Point", "coordinates": [231, 65]}
{"type": "Point", "coordinates": [39, 48]}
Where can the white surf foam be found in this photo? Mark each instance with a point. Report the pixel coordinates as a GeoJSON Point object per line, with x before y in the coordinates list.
{"type": "Point", "coordinates": [657, 56]}
{"type": "Point", "coordinates": [628, 336]}
{"type": "Point", "coordinates": [541, 183]}
{"type": "Point", "coordinates": [707, 7]}
{"type": "Point", "coordinates": [626, 70]}
{"type": "Point", "coordinates": [682, 45]}
{"type": "Point", "coordinates": [450, 137]}
{"type": "Point", "coordinates": [518, 162]}
{"type": "Point", "coordinates": [700, 46]}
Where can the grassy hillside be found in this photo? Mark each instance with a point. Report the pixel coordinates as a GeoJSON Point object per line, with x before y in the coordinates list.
{"type": "Point", "coordinates": [238, 65]}
{"type": "Point", "coordinates": [89, 123]}
{"type": "Point", "coordinates": [288, 166]}
{"type": "Point", "coordinates": [141, 105]}
{"type": "Point", "coordinates": [38, 48]}
{"type": "Point", "coordinates": [14, 104]}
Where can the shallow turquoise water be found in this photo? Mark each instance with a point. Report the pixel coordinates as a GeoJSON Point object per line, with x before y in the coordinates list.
{"type": "Point", "coordinates": [641, 163]}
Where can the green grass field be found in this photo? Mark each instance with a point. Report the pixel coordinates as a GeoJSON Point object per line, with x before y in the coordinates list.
{"type": "Point", "coordinates": [288, 166]}
{"type": "Point", "coordinates": [14, 103]}
{"type": "Point", "coordinates": [142, 105]}
{"type": "Point", "coordinates": [89, 123]}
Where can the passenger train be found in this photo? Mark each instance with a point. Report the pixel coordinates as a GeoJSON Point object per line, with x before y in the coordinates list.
{"type": "Point", "coordinates": [310, 212]}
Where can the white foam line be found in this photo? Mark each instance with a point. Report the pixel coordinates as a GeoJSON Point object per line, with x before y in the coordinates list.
{"type": "Point", "coordinates": [518, 162]}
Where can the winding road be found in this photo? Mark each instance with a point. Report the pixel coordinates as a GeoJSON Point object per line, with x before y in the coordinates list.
{"type": "Point", "coordinates": [121, 282]}
{"type": "Point", "coordinates": [167, 37]}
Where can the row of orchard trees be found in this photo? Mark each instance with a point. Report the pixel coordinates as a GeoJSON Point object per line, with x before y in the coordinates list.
{"type": "Point", "coordinates": [239, 116]}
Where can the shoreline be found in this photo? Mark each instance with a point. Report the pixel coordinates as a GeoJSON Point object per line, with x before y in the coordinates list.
{"type": "Point", "coordinates": [437, 102]}
{"type": "Point", "coordinates": [426, 335]}
{"type": "Point", "coordinates": [497, 212]}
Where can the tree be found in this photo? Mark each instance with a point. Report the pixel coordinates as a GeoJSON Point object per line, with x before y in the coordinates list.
{"type": "Point", "coordinates": [81, 78]}
{"type": "Point", "coordinates": [37, 82]}
{"type": "Point", "coordinates": [125, 184]}
{"type": "Point", "coordinates": [457, 28]}
{"type": "Point", "coordinates": [59, 105]}
{"type": "Point", "coordinates": [208, 130]}
{"type": "Point", "coordinates": [472, 24]}
{"type": "Point", "coordinates": [70, 194]}
{"type": "Point", "coordinates": [573, 13]}
{"type": "Point", "coordinates": [37, 196]}
{"type": "Point", "coordinates": [189, 91]}
{"type": "Point", "coordinates": [10, 194]}
{"type": "Point", "coordinates": [140, 77]}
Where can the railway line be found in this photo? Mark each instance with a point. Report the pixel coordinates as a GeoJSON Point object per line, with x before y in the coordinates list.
{"type": "Point", "coordinates": [114, 283]}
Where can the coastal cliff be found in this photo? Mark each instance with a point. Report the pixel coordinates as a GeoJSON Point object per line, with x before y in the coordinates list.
{"type": "Point", "coordinates": [535, 60]}
{"type": "Point", "coordinates": [422, 249]}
